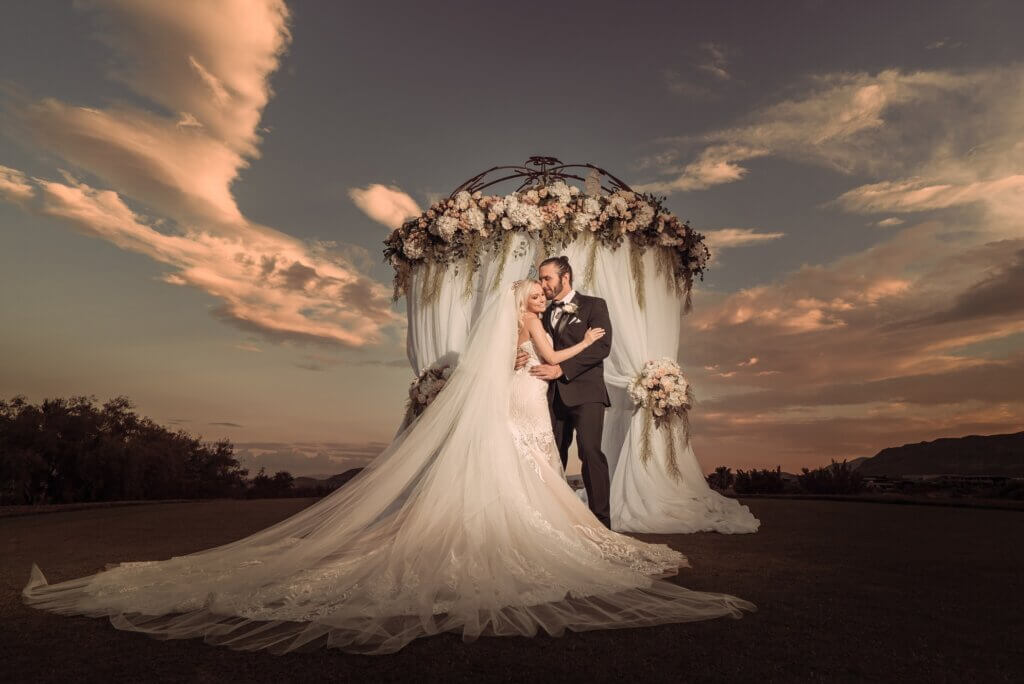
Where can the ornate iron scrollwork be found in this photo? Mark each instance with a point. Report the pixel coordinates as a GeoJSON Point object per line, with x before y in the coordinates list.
{"type": "Point", "coordinates": [539, 170]}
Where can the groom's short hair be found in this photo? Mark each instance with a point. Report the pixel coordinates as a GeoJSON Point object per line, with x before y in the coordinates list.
{"type": "Point", "coordinates": [562, 263]}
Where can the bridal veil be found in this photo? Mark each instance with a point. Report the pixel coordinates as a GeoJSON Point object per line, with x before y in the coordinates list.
{"type": "Point", "coordinates": [447, 530]}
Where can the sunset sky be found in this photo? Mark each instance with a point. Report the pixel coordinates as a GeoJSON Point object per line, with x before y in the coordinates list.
{"type": "Point", "coordinates": [193, 196]}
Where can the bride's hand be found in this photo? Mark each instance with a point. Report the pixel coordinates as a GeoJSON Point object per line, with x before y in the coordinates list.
{"type": "Point", "coordinates": [593, 335]}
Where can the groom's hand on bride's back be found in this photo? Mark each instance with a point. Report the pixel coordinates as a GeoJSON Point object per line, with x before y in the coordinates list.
{"type": "Point", "coordinates": [521, 359]}
{"type": "Point", "coordinates": [546, 372]}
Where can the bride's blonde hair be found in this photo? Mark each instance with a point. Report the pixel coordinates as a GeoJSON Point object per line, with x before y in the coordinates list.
{"type": "Point", "coordinates": [521, 290]}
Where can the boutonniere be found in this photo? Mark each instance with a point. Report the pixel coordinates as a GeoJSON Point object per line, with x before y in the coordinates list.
{"type": "Point", "coordinates": [571, 308]}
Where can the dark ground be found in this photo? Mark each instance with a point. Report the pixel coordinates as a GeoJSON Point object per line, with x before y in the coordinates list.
{"type": "Point", "coordinates": [845, 591]}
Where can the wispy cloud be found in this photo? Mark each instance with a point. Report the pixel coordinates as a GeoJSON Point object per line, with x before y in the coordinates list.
{"type": "Point", "coordinates": [702, 78]}
{"type": "Point", "coordinates": [737, 237]}
{"type": "Point", "coordinates": [888, 344]}
{"type": "Point", "coordinates": [716, 61]}
{"type": "Point", "coordinates": [839, 122]}
{"type": "Point", "coordinates": [209, 64]}
{"type": "Point", "coordinates": [944, 43]}
{"type": "Point", "coordinates": [14, 186]}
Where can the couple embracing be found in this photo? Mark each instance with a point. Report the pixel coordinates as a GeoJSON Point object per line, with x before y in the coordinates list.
{"type": "Point", "coordinates": [565, 346]}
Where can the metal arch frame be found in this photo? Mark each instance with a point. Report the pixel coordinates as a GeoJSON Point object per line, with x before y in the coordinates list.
{"type": "Point", "coordinates": [550, 169]}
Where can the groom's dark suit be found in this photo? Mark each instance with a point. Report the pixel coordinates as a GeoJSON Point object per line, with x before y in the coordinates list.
{"type": "Point", "coordinates": [578, 398]}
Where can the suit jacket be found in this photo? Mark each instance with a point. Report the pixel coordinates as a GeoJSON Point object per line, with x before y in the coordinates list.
{"type": "Point", "coordinates": [582, 379]}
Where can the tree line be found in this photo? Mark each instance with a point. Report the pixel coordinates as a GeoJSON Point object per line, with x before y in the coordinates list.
{"type": "Point", "coordinates": [835, 478]}
{"type": "Point", "coordinates": [72, 450]}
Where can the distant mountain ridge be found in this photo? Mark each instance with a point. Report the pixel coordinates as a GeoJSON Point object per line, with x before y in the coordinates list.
{"type": "Point", "coordinates": [330, 482]}
{"type": "Point", "coordinates": [971, 455]}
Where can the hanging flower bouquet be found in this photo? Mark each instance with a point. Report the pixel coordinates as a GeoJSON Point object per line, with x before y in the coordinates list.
{"type": "Point", "coordinates": [458, 230]}
{"type": "Point", "coordinates": [664, 393]}
{"type": "Point", "coordinates": [425, 389]}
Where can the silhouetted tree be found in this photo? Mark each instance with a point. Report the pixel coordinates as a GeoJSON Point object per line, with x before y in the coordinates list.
{"type": "Point", "coordinates": [759, 481]}
{"type": "Point", "coordinates": [722, 478]}
{"type": "Point", "coordinates": [836, 478]}
{"type": "Point", "coordinates": [264, 486]}
{"type": "Point", "coordinates": [67, 450]}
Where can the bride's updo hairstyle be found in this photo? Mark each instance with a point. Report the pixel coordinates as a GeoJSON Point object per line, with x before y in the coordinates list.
{"type": "Point", "coordinates": [521, 292]}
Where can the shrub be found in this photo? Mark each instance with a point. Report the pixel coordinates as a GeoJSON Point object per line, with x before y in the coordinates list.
{"type": "Point", "coordinates": [835, 478]}
{"type": "Point", "coordinates": [759, 481]}
{"type": "Point", "coordinates": [722, 478]}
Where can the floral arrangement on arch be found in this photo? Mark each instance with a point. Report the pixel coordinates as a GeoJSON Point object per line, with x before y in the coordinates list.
{"type": "Point", "coordinates": [425, 388]}
{"type": "Point", "coordinates": [458, 230]}
{"type": "Point", "coordinates": [664, 393]}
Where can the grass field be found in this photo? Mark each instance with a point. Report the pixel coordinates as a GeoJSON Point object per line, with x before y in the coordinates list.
{"type": "Point", "coordinates": [845, 592]}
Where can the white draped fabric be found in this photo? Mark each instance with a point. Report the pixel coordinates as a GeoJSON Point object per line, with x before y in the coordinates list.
{"type": "Point", "coordinates": [644, 497]}
{"type": "Point", "coordinates": [439, 329]}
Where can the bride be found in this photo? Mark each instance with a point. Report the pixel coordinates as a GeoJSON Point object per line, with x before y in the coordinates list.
{"type": "Point", "coordinates": [463, 523]}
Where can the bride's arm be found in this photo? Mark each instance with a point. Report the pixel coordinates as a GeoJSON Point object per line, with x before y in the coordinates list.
{"type": "Point", "coordinates": [547, 352]}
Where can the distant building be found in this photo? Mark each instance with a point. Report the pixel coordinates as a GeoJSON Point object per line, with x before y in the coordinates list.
{"type": "Point", "coordinates": [969, 480]}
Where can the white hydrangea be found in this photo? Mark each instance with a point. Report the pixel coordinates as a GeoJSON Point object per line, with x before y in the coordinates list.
{"type": "Point", "coordinates": [414, 245]}
{"type": "Point", "coordinates": [462, 200]}
{"type": "Point", "coordinates": [445, 226]}
{"type": "Point", "coordinates": [617, 206]}
{"type": "Point", "coordinates": [560, 191]}
{"type": "Point", "coordinates": [475, 218]}
{"type": "Point", "coordinates": [581, 221]}
{"type": "Point", "coordinates": [523, 215]}
{"type": "Point", "coordinates": [643, 216]}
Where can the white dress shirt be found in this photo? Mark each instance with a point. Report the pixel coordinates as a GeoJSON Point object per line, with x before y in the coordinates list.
{"type": "Point", "coordinates": [557, 313]}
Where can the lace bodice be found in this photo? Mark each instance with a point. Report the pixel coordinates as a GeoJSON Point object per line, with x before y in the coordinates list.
{"type": "Point", "coordinates": [528, 347]}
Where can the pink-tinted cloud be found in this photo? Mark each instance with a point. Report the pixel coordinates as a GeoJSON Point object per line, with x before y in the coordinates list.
{"type": "Point", "coordinates": [388, 205]}
{"type": "Point", "coordinates": [871, 350]}
{"type": "Point", "coordinates": [211, 60]}
{"type": "Point", "coordinates": [267, 282]}
{"type": "Point", "coordinates": [839, 122]}
{"type": "Point", "coordinates": [714, 166]}
{"type": "Point", "coordinates": [180, 172]}
{"type": "Point", "coordinates": [14, 186]}
{"type": "Point", "coordinates": [209, 64]}
{"type": "Point", "coordinates": [903, 341]}
{"type": "Point", "coordinates": [737, 237]}
{"type": "Point", "coordinates": [920, 195]}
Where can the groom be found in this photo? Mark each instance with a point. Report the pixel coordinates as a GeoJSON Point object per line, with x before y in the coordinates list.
{"type": "Point", "coordinates": [577, 394]}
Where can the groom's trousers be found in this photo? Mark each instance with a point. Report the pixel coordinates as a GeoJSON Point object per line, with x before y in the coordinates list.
{"type": "Point", "coordinates": [587, 421]}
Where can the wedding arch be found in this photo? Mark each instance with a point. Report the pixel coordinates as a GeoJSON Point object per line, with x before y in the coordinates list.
{"type": "Point", "coordinates": [626, 248]}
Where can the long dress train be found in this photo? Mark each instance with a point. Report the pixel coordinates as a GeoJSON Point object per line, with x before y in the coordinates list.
{"type": "Point", "coordinates": [456, 526]}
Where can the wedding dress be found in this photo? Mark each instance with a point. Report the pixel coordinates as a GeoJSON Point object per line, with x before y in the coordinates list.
{"type": "Point", "coordinates": [530, 418]}
{"type": "Point", "coordinates": [464, 523]}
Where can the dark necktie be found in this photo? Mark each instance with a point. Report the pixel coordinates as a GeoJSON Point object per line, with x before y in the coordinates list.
{"type": "Point", "coordinates": [556, 309]}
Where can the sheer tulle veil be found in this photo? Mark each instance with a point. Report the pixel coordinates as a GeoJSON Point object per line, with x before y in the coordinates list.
{"type": "Point", "coordinates": [446, 530]}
